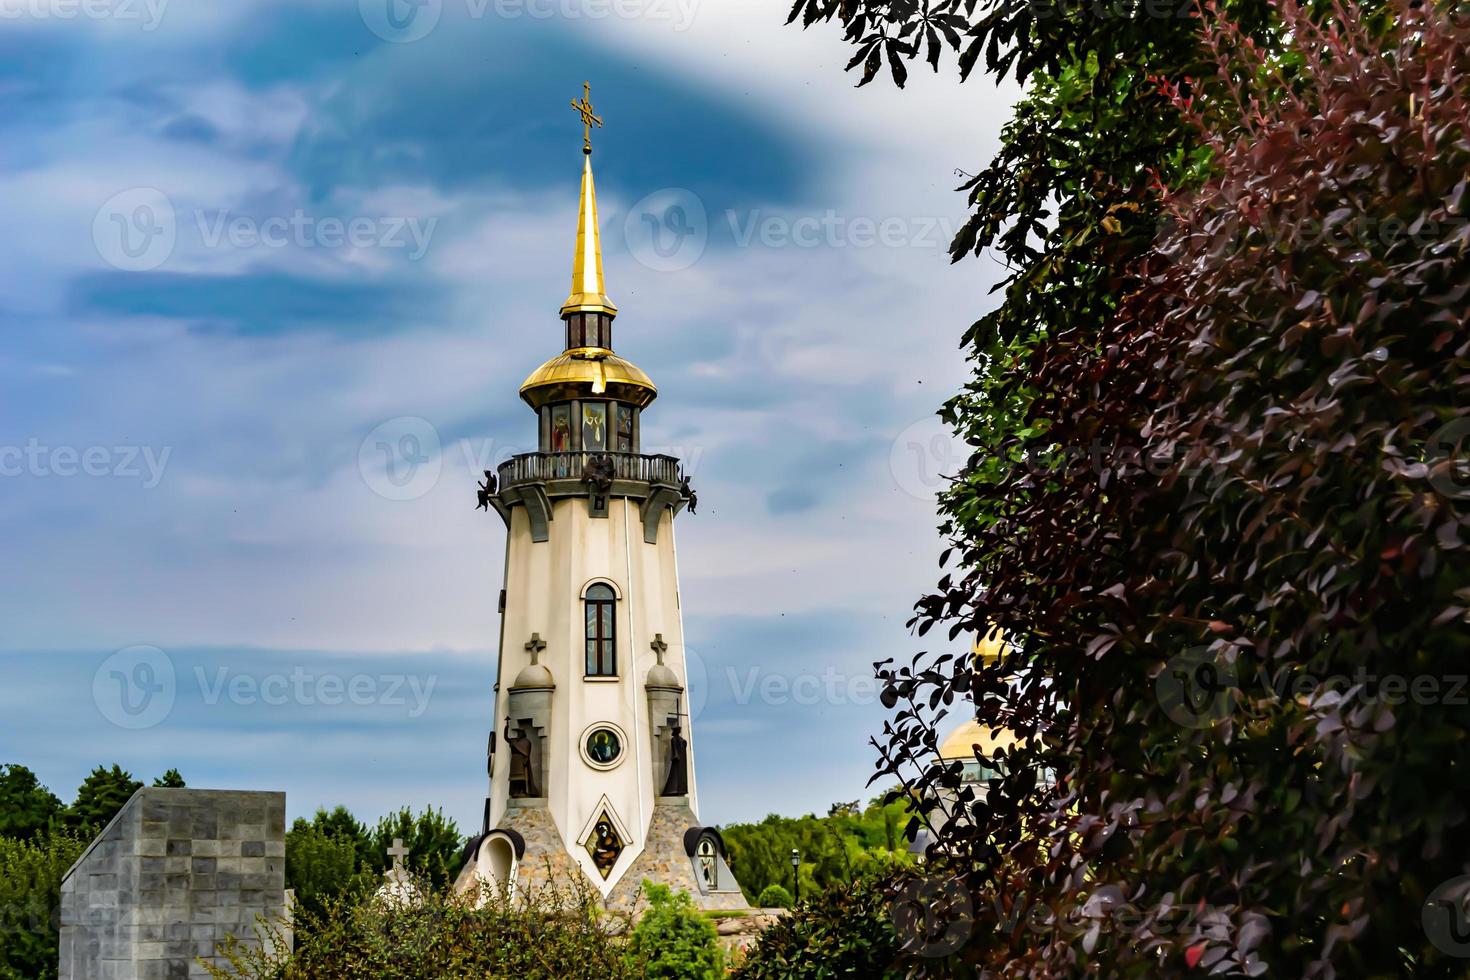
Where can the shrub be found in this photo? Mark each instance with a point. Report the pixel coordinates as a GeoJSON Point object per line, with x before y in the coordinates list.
{"type": "Point", "coordinates": [673, 940]}
{"type": "Point", "coordinates": [842, 931]}
{"type": "Point", "coordinates": [1248, 555]}
{"type": "Point", "coordinates": [774, 897]}
{"type": "Point", "coordinates": [551, 935]}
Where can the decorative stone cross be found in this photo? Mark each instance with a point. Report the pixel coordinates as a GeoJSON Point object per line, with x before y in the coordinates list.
{"type": "Point", "coordinates": [659, 647]}
{"type": "Point", "coordinates": [535, 645]}
{"type": "Point", "coordinates": [398, 852]}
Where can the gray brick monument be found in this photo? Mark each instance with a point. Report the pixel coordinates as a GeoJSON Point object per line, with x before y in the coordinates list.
{"type": "Point", "coordinates": [175, 872]}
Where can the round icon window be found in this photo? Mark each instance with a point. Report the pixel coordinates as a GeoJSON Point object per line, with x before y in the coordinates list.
{"type": "Point", "coordinates": [602, 747]}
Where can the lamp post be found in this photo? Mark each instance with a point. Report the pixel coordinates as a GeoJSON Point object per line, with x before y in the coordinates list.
{"type": "Point", "coordinates": [795, 877]}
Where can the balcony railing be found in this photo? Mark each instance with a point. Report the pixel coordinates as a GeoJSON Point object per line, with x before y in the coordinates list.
{"type": "Point", "coordinates": [543, 467]}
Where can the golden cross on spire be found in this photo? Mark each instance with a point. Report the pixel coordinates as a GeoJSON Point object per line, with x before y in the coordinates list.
{"type": "Point", "coordinates": [589, 119]}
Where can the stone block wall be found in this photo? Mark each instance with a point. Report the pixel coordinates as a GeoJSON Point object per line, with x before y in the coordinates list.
{"type": "Point", "coordinates": [174, 873]}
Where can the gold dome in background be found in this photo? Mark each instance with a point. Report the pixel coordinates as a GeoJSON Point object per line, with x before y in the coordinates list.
{"type": "Point", "coordinates": [988, 648]}
{"type": "Point", "coordinates": [960, 743]}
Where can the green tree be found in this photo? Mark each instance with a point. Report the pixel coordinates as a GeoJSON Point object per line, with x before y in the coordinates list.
{"type": "Point", "coordinates": [27, 808]}
{"type": "Point", "coordinates": [170, 780]}
{"type": "Point", "coordinates": [339, 823]}
{"type": "Point", "coordinates": [321, 866]}
{"type": "Point", "coordinates": [674, 940]}
{"type": "Point", "coordinates": [30, 903]}
{"type": "Point", "coordinates": [849, 841]}
{"type": "Point", "coordinates": [102, 794]}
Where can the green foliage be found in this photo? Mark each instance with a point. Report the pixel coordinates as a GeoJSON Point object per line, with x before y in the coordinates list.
{"type": "Point", "coordinates": [673, 940]}
{"type": "Point", "coordinates": [849, 841]}
{"type": "Point", "coordinates": [30, 903]}
{"type": "Point", "coordinates": [102, 794]}
{"type": "Point", "coordinates": [170, 780]}
{"type": "Point", "coordinates": [774, 897]}
{"type": "Point", "coordinates": [321, 865]}
{"type": "Point", "coordinates": [27, 809]}
{"type": "Point", "coordinates": [340, 822]}
{"type": "Point", "coordinates": [843, 931]}
{"type": "Point", "coordinates": [552, 935]}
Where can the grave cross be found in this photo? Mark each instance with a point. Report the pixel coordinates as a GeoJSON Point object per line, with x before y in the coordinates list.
{"type": "Point", "coordinates": [398, 852]}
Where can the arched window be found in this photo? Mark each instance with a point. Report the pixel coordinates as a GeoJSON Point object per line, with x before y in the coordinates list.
{"type": "Point", "coordinates": [602, 656]}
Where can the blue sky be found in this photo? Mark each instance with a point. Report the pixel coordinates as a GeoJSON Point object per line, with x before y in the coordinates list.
{"type": "Point", "coordinates": [246, 241]}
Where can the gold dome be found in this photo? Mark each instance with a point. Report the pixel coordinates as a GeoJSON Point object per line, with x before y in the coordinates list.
{"type": "Point", "coordinates": [585, 371]}
{"type": "Point", "coordinates": [960, 743]}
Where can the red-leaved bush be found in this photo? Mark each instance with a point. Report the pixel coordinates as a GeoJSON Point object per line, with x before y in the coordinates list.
{"type": "Point", "coordinates": [1233, 566]}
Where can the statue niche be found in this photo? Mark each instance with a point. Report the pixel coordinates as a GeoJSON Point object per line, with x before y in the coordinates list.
{"type": "Point", "coordinates": [524, 783]}
{"type": "Point", "coordinates": [670, 756]}
{"type": "Point", "coordinates": [529, 705]}
{"type": "Point", "coordinates": [677, 782]}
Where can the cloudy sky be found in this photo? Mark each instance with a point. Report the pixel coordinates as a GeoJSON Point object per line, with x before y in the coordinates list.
{"type": "Point", "coordinates": [248, 242]}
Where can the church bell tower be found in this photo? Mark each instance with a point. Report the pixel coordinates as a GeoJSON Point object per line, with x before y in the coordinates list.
{"type": "Point", "coordinates": [591, 752]}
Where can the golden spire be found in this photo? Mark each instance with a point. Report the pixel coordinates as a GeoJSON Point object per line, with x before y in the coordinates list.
{"type": "Point", "coordinates": [589, 293]}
